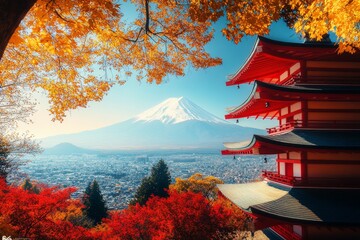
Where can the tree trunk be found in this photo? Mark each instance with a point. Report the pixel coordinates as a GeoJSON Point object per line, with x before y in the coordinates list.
{"type": "Point", "coordinates": [11, 14]}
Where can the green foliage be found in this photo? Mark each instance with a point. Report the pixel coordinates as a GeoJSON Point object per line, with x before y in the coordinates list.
{"type": "Point", "coordinates": [143, 193]}
{"type": "Point", "coordinates": [5, 164]}
{"type": "Point", "coordinates": [161, 178]}
{"type": "Point", "coordinates": [156, 184]}
{"type": "Point", "coordinates": [30, 187]}
{"type": "Point", "coordinates": [95, 208]}
{"type": "Point", "coordinates": [27, 184]}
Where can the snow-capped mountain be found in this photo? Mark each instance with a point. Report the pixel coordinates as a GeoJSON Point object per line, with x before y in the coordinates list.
{"type": "Point", "coordinates": [176, 123]}
{"type": "Point", "coordinates": [177, 110]}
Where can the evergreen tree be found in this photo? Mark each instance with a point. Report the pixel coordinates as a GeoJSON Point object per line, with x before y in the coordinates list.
{"type": "Point", "coordinates": [95, 208]}
{"type": "Point", "coordinates": [144, 192]}
{"type": "Point", "coordinates": [160, 176]}
{"type": "Point", "coordinates": [5, 163]}
{"type": "Point", "coordinates": [27, 185]}
{"type": "Point", "coordinates": [30, 187]}
{"type": "Point", "coordinates": [156, 184]}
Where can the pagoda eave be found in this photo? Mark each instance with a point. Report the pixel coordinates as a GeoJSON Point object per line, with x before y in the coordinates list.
{"type": "Point", "coordinates": [283, 56]}
{"type": "Point", "coordinates": [302, 205]}
{"type": "Point", "coordinates": [297, 140]}
{"type": "Point", "coordinates": [266, 98]}
{"type": "Point", "coordinates": [261, 149]}
{"type": "Point", "coordinates": [259, 60]}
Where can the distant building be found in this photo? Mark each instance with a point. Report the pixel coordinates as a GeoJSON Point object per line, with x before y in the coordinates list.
{"type": "Point", "coordinates": [314, 92]}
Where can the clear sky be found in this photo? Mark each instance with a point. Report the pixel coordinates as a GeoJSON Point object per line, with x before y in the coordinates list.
{"type": "Point", "coordinates": [205, 87]}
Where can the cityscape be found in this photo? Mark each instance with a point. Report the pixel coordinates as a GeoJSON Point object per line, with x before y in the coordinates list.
{"type": "Point", "coordinates": [119, 175]}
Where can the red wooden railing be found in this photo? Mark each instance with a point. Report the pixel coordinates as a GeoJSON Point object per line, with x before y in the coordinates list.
{"type": "Point", "coordinates": [312, 181]}
{"type": "Point", "coordinates": [281, 128]}
{"type": "Point", "coordinates": [289, 81]}
{"type": "Point", "coordinates": [327, 80]}
{"type": "Point", "coordinates": [316, 124]}
{"type": "Point", "coordinates": [286, 231]}
{"type": "Point", "coordinates": [274, 176]}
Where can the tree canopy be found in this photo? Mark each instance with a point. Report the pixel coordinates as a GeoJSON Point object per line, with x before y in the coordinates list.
{"type": "Point", "coordinates": [180, 216]}
{"type": "Point", "coordinates": [60, 45]}
{"type": "Point", "coordinates": [50, 214]}
{"type": "Point", "coordinates": [156, 184]}
{"type": "Point", "coordinates": [197, 183]}
{"type": "Point", "coordinates": [95, 208]}
{"type": "Point", "coordinates": [41, 215]}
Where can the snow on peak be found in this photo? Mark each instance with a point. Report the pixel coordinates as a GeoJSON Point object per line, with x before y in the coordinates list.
{"type": "Point", "coordinates": [176, 110]}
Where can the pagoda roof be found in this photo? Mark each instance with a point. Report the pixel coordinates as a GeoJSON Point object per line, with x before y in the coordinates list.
{"type": "Point", "coordinates": [331, 206]}
{"type": "Point", "coordinates": [297, 139]}
{"type": "Point", "coordinates": [270, 58]}
{"type": "Point", "coordinates": [266, 99]}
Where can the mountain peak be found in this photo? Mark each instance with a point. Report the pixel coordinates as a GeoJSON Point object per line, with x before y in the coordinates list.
{"type": "Point", "coordinates": [176, 123]}
{"type": "Point", "coordinates": [66, 148]}
{"type": "Point", "coordinates": [177, 110]}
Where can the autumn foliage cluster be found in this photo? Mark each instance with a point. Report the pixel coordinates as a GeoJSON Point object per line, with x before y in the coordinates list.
{"type": "Point", "coordinates": [76, 50]}
{"type": "Point", "coordinates": [42, 215]}
{"type": "Point", "coordinates": [50, 213]}
{"type": "Point", "coordinates": [180, 216]}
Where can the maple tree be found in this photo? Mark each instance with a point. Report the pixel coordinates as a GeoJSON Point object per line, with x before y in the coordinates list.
{"type": "Point", "coordinates": [50, 213]}
{"type": "Point", "coordinates": [311, 18]}
{"type": "Point", "coordinates": [180, 216]}
{"type": "Point", "coordinates": [59, 43]}
{"type": "Point", "coordinates": [42, 215]}
{"type": "Point", "coordinates": [197, 183]}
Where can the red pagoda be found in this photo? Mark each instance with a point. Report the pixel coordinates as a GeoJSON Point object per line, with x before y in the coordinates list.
{"type": "Point", "coordinates": [314, 93]}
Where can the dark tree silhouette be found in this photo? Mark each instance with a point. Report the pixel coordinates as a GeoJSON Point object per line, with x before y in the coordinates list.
{"type": "Point", "coordinates": [144, 191]}
{"type": "Point", "coordinates": [30, 187]}
{"type": "Point", "coordinates": [161, 178]}
{"type": "Point", "coordinates": [156, 184]}
{"type": "Point", "coordinates": [95, 208]}
{"type": "Point", "coordinates": [5, 164]}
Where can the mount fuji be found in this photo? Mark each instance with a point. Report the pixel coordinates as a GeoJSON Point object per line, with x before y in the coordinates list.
{"type": "Point", "coordinates": [177, 110]}
{"type": "Point", "coordinates": [176, 123]}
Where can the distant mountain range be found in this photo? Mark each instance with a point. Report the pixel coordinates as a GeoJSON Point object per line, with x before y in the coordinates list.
{"type": "Point", "coordinates": [67, 148]}
{"type": "Point", "coordinates": [176, 123]}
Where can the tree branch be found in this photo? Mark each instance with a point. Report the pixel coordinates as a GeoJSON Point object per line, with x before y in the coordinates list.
{"type": "Point", "coordinates": [147, 22]}
{"type": "Point", "coordinates": [137, 37]}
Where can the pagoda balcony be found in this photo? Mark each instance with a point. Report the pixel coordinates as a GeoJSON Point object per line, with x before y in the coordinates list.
{"type": "Point", "coordinates": [312, 182]}
{"type": "Point", "coordinates": [289, 81]}
{"type": "Point", "coordinates": [274, 176]}
{"type": "Point", "coordinates": [282, 128]}
{"type": "Point", "coordinates": [314, 125]}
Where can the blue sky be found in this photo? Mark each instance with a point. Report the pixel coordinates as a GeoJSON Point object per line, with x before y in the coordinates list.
{"type": "Point", "coordinates": [205, 87]}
